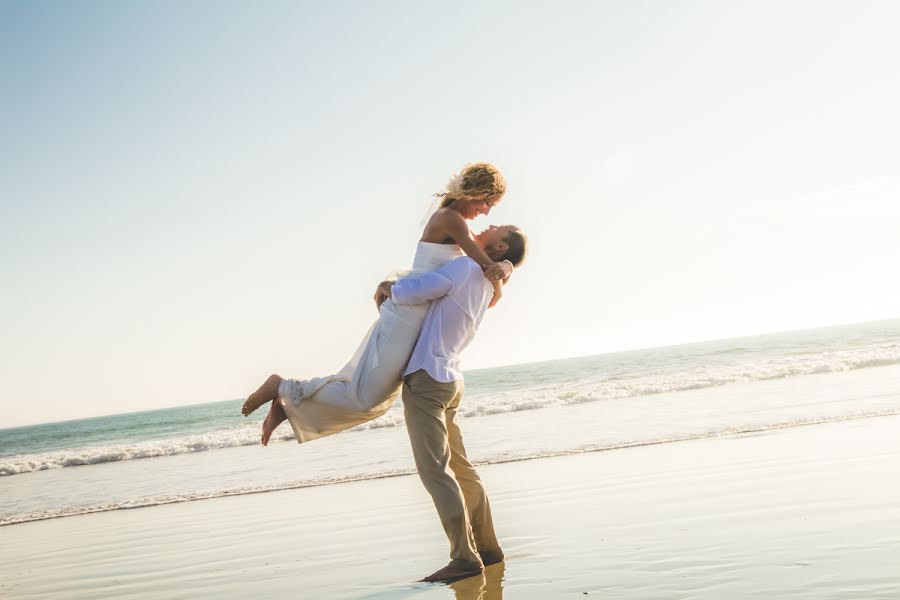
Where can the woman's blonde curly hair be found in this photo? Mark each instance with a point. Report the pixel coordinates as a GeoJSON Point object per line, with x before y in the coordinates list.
{"type": "Point", "coordinates": [476, 181]}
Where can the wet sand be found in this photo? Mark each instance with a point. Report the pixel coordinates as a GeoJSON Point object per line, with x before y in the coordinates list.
{"type": "Point", "coordinates": [807, 512]}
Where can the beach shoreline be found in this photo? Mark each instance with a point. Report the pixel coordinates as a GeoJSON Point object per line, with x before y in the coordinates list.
{"type": "Point", "coordinates": [811, 512]}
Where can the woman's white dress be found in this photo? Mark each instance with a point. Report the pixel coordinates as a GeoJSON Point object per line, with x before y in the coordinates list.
{"type": "Point", "coordinates": [369, 384]}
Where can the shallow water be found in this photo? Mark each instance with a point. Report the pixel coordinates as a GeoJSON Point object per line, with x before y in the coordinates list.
{"type": "Point", "coordinates": [803, 512]}
{"type": "Point", "coordinates": [544, 409]}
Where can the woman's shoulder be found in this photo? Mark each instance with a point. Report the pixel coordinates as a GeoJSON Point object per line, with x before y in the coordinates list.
{"type": "Point", "coordinates": [446, 215]}
{"type": "Point", "coordinates": [442, 225]}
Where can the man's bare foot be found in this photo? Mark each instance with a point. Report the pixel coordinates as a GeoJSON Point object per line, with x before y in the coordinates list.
{"type": "Point", "coordinates": [267, 391]}
{"type": "Point", "coordinates": [455, 571]}
{"type": "Point", "coordinates": [273, 419]}
{"type": "Point", "coordinates": [491, 558]}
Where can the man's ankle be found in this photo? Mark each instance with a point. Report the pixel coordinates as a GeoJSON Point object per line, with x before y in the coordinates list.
{"type": "Point", "coordinates": [466, 565]}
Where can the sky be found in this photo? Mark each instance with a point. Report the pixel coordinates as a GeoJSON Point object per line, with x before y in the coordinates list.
{"type": "Point", "coordinates": [196, 194]}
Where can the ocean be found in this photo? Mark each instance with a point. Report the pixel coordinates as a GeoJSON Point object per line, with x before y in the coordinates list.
{"type": "Point", "coordinates": [740, 386]}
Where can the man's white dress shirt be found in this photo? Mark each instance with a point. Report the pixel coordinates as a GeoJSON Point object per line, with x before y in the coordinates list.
{"type": "Point", "coordinates": [460, 294]}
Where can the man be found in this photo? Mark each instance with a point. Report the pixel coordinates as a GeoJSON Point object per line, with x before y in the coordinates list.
{"type": "Point", "coordinates": [433, 388]}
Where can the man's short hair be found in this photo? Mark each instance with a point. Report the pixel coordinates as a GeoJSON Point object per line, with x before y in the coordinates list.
{"type": "Point", "coordinates": [518, 245]}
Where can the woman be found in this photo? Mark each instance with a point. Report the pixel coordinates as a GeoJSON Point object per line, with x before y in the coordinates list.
{"type": "Point", "coordinates": [370, 383]}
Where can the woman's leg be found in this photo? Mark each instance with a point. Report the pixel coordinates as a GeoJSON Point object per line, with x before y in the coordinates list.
{"type": "Point", "coordinates": [267, 391]}
{"type": "Point", "coordinates": [380, 374]}
{"type": "Point", "coordinates": [273, 419]}
{"type": "Point", "coordinates": [363, 390]}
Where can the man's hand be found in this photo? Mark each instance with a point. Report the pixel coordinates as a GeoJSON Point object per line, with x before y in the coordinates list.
{"type": "Point", "coordinates": [382, 293]}
{"type": "Point", "coordinates": [498, 271]}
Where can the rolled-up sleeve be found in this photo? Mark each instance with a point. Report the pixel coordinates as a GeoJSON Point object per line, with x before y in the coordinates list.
{"type": "Point", "coordinates": [418, 289]}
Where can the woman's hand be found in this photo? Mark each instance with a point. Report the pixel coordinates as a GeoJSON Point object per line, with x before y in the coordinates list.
{"type": "Point", "coordinates": [382, 293]}
{"type": "Point", "coordinates": [498, 271]}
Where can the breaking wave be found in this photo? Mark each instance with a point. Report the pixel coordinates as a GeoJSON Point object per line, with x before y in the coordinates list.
{"type": "Point", "coordinates": [476, 404]}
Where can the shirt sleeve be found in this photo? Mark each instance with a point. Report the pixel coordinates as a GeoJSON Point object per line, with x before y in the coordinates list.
{"type": "Point", "coordinates": [418, 289]}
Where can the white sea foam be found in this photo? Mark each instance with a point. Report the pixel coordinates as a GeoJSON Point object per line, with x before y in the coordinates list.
{"type": "Point", "coordinates": [693, 379]}
{"type": "Point", "coordinates": [385, 473]}
{"type": "Point", "coordinates": [481, 404]}
{"type": "Point", "coordinates": [244, 434]}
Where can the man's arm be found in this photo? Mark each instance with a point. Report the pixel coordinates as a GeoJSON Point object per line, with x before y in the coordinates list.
{"type": "Point", "coordinates": [418, 289]}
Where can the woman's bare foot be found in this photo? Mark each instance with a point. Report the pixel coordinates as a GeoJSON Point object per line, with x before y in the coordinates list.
{"type": "Point", "coordinates": [273, 419]}
{"type": "Point", "coordinates": [267, 391]}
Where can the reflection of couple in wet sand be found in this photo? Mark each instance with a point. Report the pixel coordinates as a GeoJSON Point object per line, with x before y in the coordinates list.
{"type": "Point", "coordinates": [426, 319]}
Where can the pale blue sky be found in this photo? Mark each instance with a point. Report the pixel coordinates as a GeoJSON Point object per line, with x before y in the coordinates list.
{"type": "Point", "coordinates": [194, 195]}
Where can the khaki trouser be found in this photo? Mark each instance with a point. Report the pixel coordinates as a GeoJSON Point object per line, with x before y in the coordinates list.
{"type": "Point", "coordinates": [437, 445]}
